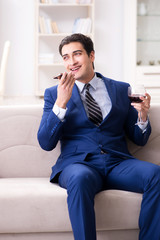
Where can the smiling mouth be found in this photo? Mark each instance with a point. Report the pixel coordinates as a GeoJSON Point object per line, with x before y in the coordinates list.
{"type": "Point", "coordinates": [75, 69]}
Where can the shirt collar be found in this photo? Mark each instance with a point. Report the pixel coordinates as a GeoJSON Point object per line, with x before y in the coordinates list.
{"type": "Point", "coordinates": [93, 83]}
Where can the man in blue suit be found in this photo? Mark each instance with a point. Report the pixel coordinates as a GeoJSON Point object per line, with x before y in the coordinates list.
{"type": "Point", "coordinates": [94, 154]}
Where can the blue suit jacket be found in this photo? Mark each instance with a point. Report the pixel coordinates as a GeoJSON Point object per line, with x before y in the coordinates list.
{"type": "Point", "coordinates": [79, 136]}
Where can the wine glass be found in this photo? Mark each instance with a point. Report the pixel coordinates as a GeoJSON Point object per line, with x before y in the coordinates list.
{"type": "Point", "coordinates": [135, 93]}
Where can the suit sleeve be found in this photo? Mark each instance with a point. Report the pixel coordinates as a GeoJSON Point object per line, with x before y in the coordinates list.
{"type": "Point", "coordinates": [134, 132]}
{"type": "Point", "coordinates": [50, 128]}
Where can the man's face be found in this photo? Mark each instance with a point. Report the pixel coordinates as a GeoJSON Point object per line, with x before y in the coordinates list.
{"type": "Point", "coordinates": [77, 61]}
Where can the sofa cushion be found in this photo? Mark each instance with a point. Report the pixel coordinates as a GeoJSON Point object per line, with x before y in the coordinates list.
{"type": "Point", "coordinates": [36, 205]}
{"type": "Point", "coordinates": [20, 153]}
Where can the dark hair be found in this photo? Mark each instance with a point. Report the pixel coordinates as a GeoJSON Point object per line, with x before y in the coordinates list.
{"type": "Point", "coordinates": [78, 37]}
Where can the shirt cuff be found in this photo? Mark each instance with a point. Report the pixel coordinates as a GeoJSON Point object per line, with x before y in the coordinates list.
{"type": "Point", "coordinates": [60, 112]}
{"type": "Point", "coordinates": [143, 126]}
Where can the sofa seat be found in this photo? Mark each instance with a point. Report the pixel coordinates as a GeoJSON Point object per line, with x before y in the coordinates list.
{"type": "Point", "coordinates": [36, 205]}
{"type": "Point", "coordinates": [33, 205]}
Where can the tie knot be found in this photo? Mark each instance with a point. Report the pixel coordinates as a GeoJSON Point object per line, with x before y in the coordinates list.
{"type": "Point", "coordinates": [87, 86]}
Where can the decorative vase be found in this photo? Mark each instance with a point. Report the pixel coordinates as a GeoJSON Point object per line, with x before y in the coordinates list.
{"type": "Point", "coordinates": [142, 9]}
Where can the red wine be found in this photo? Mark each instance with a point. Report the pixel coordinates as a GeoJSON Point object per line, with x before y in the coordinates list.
{"type": "Point", "coordinates": [135, 98]}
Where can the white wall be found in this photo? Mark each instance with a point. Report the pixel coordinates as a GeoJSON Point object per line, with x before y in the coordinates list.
{"type": "Point", "coordinates": [17, 25]}
{"type": "Point", "coordinates": [109, 38]}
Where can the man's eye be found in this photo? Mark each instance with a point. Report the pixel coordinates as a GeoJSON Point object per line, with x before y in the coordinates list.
{"type": "Point", "coordinates": [65, 58]}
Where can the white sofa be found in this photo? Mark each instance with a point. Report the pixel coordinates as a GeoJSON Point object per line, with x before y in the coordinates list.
{"type": "Point", "coordinates": [32, 208]}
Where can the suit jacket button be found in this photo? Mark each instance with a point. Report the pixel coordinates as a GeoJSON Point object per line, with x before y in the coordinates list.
{"type": "Point", "coordinates": [103, 152]}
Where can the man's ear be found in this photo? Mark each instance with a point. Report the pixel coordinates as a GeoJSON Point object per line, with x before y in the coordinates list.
{"type": "Point", "coordinates": [92, 56]}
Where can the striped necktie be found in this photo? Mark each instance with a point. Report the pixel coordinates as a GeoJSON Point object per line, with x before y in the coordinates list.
{"type": "Point", "coordinates": [94, 111]}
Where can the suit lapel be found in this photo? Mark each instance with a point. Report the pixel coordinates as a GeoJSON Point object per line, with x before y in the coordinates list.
{"type": "Point", "coordinates": [111, 88]}
{"type": "Point", "coordinates": [76, 101]}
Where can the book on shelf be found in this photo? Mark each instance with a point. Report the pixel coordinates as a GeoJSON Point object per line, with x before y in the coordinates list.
{"type": "Point", "coordinates": [42, 28]}
{"type": "Point", "coordinates": [47, 26]}
{"type": "Point", "coordinates": [48, 23]}
{"type": "Point", "coordinates": [82, 25]}
{"type": "Point", "coordinates": [64, 1]}
{"type": "Point", "coordinates": [44, 1]}
{"type": "Point", "coordinates": [54, 27]}
{"type": "Point", "coordinates": [49, 1]}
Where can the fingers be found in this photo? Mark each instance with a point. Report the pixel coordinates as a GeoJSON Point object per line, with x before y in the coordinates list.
{"type": "Point", "coordinates": [145, 104]}
{"type": "Point", "coordinates": [143, 107]}
{"type": "Point", "coordinates": [71, 79]}
{"type": "Point", "coordinates": [64, 90]}
{"type": "Point", "coordinates": [147, 100]}
{"type": "Point", "coordinates": [67, 79]}
{"type": "Point", "coordinates": [62, 79]}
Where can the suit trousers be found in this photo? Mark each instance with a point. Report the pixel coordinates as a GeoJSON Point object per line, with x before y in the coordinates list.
{"type": "Point", "coordinates": [84, 180]}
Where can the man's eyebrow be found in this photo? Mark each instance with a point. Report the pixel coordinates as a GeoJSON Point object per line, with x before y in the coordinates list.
{"type": "Point", "coordinates": [72, 52]}
{"type": "Point", "coordinates": [77, 51]}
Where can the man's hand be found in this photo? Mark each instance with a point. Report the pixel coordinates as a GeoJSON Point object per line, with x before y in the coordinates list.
{"type": "Point", "coordinates": [143, 107]}
{"type": "Point", "coordinates": [64, 91]}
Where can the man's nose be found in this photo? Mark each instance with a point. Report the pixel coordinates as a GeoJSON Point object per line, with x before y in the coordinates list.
{"type": "Point", "coordinates": [72, 61]}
